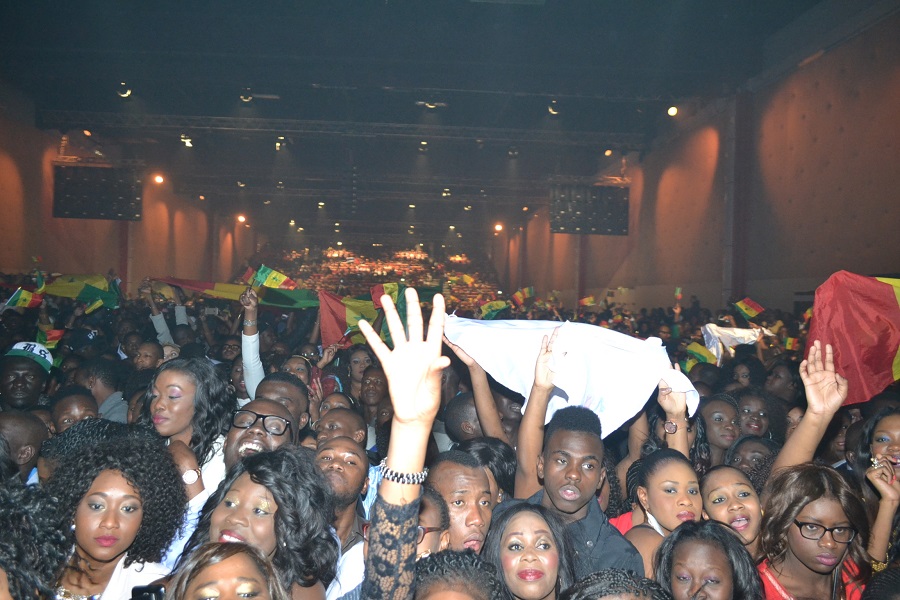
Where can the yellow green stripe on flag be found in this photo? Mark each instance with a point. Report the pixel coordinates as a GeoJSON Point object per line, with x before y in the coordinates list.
{"type": "Point", "coordinates": [700, 353]}
{"type": "Point", "coordinates": [87, 289]}
{"type": "Point", "coordinates": [749, 308]}
{"type": "Point", "coordinates": [24, 299]}
{"type": "Point", "coordinates": [338, 315]}
{"type": "Point", "coordinates": [271, 278]}
{"type": "Point", "coordinates": [50, 338]}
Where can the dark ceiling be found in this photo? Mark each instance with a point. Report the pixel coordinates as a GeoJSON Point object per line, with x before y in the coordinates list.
{"type": "Point", "coordinates": [346, 84]}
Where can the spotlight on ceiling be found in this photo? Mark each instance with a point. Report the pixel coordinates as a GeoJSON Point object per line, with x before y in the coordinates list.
{"type": "Point", "coordinates": [159, 179]}
{"type": "Point", "coordinates": [431, 104]}
{"type": "Point", "coordinates": [673, 110]}
{"type": "Point", "coordinates": [423, 146]}
{"type": "Point", "coordinates": [607, 152]}
{"type": "Point", "coordinates": [321, 205]}
{"type": "Point", "coordinates": [280, 143]}
{"type": "Point", "coordinates": [186, 140]}
{"type": "Point", "coordinates": [553, 107]}
{"type": "Point", "coordinates": [292, 222]}
{"type": "Point", "coordinates": [513, 152]}
{"type": "Point", "coordinates": [87, 133]}
{"type": "Point", "coordinates": [246, 95]}
{"type": "Point", "coordinates": [241, 219]}
{"type": "Point", "coordinates": [124, 91]}
{"type": "Point", "coordinates": [412, 205]}
{"type": "Point", "coordinates": [498, 227]}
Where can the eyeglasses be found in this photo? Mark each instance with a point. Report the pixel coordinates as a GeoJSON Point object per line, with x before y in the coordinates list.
{"type": "Point", "coordinates": [814, 531]}
{"type": "Point", "coordinates": [245, 419]}
{"type": "Point", "coordinates": [231, 347]}
{"type": "Point", "coordinates": [309, 355]}
{"type": "Point", "coordinates": [423, 531]}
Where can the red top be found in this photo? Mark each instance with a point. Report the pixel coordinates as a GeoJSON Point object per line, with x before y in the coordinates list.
{"type": "Point", "coordinates": [623, 522]}
{"type": "Point", "coordinates": [773, 590]}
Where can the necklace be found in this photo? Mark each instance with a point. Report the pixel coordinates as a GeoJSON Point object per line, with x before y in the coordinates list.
{"type": "Point", "coordinates": [64, 594]}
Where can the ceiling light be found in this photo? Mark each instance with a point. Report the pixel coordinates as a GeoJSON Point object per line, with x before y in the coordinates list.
{"type": "Point", "coordinates": [446, 193]}
{"type": "Point", "coordinates": [607, 152]}
{"type": "Point", "coordinates": [186, 140]}
{"type": "Point", "coordinates": [467, 207]}
{"type": "Point", "coordinates": [201, 197]}
{"type": "Point", "coordinates": [452, 227]}
{"type": "Point", "coordinates": [299, 229]}
{"type": "Point", "coordinates": [292, 222]}
{"type": "Point", "coordinates": [159, 179]}
{"type": "Point", "coordinates": [241, 184]}
{"type": "Point", "coordinates": [673, 110]}
{"type": "Point", "coordinates": [246, 95]}
{"type": "Point", "coordinates": [267, 202]}
{"type": "Point", "coordinates": [524, 209]}
{"type": "Point", "coordinates": [321, 205]}
{"type": "Point", "coordinates": [553, 108]}
{"type": "Point", "coordinates": [498, 227]}
{"type": "Point", "coordinates": [513, 152]}
{"type": "Point", "coordinates": [340, 243]}
{"type": "Point", "coordinates": [412, 205]}
{"type": "Point", "coordinates": [87, 133]}
{"type": "Point", "coordinates": [241, 219]}
{"type": "Point", "coordinates": [124, 91]}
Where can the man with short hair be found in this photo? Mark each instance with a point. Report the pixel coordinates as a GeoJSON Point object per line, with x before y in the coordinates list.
{"type": "Point", "coordinates": [464, 485]}
{"type": "Point", "coordinates": [24, 433]}
{"type": "Point", "coordinates": [149, 356]}
{"type": "Point", "coordinates": [461, 418]}
{"type": "Point", "coordinates": [288, 391]}
{"type": "Point", "coordinates": [258, 422]}
{"type": "Point", "coordinates": [24, 374]}
{"type": "Point", "coordinates": [341, 422]}
{"type": "Point", "coordinates": [571, 468]}
{"type": "Point", "coordinates": [103, 378]}
{"type": "Point", "coordinates": [345, 465]}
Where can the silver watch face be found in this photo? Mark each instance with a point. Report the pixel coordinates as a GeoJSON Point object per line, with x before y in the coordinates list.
{"type": "Point", "coordinates": [190, 477]}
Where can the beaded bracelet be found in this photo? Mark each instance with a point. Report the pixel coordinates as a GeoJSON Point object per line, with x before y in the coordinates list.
{"type": "Point", "coordinates": [249, 323]}
{"type": "Point", "coordinates": [404, 478]}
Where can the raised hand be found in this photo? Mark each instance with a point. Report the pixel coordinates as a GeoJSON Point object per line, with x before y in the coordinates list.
{"type": "Point", "coordinates": [826, 390]}
{"type": "Point", "coordinates": [460, 353]}
{"type": "Point", "coordinates": [414, 366]}
{"type": "Point", "coordinates": [249, 299]}
{"type": "Point", "coordinates": [543, 375]}
{"type": "Point", "coordinates": [881, 476]}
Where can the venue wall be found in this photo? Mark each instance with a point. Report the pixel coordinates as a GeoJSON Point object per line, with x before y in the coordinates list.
{"type": "Point", "coordinates": [175, 237]}
{"type": "Point", "coordinates": [765, 194]}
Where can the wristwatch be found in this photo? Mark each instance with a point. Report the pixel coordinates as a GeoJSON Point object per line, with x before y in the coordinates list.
{"type": "Point", "coordinates": [670, 427]}
{"type": "Point", "coordinates": [191, 476]}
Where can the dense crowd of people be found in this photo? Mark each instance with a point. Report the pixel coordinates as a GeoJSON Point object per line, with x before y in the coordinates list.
{"type": "Point", "coordinates": [170, 452]}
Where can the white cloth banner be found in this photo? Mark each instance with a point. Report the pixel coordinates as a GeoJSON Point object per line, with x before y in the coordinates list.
{"type": "Point", "coordinates": [611, 373]}
{"type": "Point", "coordinates": [720, 340]}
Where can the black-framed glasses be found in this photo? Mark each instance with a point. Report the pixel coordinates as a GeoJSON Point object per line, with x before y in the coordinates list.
{"type": "Point", "coordinates": [245, 419]}
{"type": "Point", "coordinates": [814, 531]}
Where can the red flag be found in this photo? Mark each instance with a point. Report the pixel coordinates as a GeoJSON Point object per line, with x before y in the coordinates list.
{"type": "Point", "coordinates": [860, 317]}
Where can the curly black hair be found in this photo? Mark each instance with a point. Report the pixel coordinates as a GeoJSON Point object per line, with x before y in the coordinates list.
{"type": "Point", "coordinates": [883, 586]}
{"type": "Point", "coordinates": [305, 550]}
{"type": "Point", "coordinates": [213, 404]}
{"type": "Point", "coordinates": [615, 582]}
{"type": "Point", "coordinates": [573, 418]}
{"type": "Point", "coordinates": [461, 571]}
{"type": "Point", "coordinates": [33, 547]}
{"type": "Point", "coordinates": [148, 467]}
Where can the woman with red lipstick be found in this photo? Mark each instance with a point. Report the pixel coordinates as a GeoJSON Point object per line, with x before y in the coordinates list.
{"type": "Point", "coordinates": [125, 501]}
{"type": "Point", "coordinates": [528, 544]}
{"type": "Point", "coordinates": [668, 492]}
{"type": "Point", "coordinates": [814, 536]}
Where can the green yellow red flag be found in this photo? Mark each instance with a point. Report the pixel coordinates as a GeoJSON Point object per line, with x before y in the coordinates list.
{"type": "Point", "coordinates": [749, 308]}
{"type": "Point", "coordinates": [700, 353]}
{"type": "Point", "coordinates": [860, 317]}
{"type": "Point", "coordinates": [339, 318]}
{"type": "Point", "coordinates": [25, 299]}
{"type": "Point", "coordinates": [271, 278]}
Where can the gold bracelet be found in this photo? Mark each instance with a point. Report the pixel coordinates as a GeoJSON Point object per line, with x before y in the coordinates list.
{"type": "Point", "coordinates": [878, 566]}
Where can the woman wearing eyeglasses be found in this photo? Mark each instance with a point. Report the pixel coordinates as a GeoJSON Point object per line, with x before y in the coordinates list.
{"type": "Point", "coordinates": [280, 503]}
{"type": "Point", "coordinates": [814, 535]}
